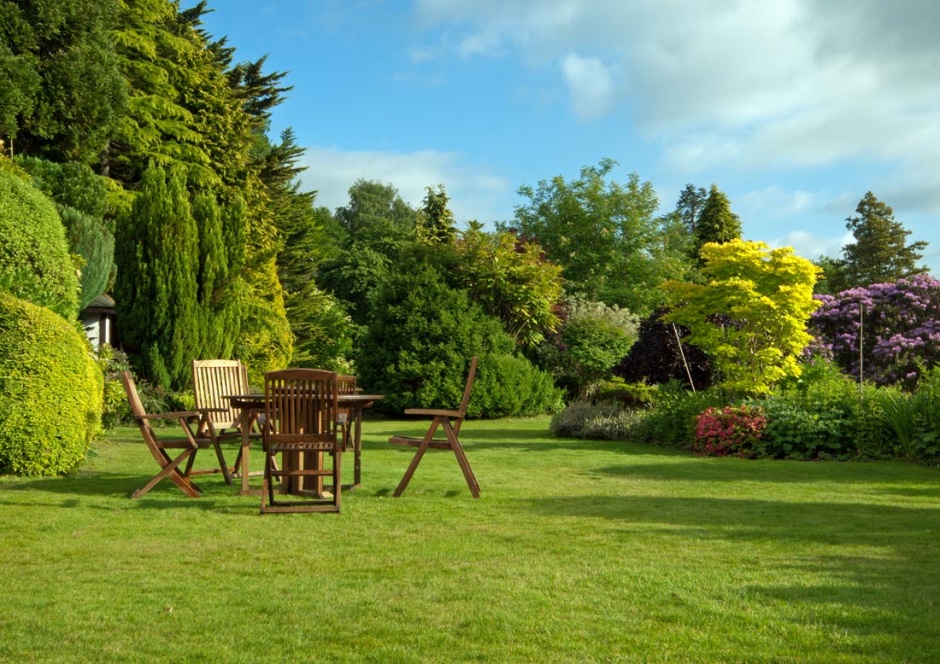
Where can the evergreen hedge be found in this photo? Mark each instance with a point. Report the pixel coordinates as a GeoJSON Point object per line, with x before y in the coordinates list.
{"type": "Point", "coordinates": [52, 391]}
{"type": "Point", "coordinates": [34, 257]}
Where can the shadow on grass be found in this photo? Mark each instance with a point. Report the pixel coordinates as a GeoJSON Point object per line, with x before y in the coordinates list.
{"type": "Point", "coordinates": [685, 467]}
{"type": "Point", "coordinates": [524, 440]}
{"type": "Point", "coordinates": [840, 524]}
{"type": "Point", "coordinates": [114, 485]}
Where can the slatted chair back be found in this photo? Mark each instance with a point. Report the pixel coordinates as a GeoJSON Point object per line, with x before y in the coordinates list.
{"type": "Point", "coordinates": [212, 381]}
{"type": "Point", "coordinates": [465, 400]}
{"type": "Point", "coordinates": [449, 422]}
{"type": "Point", "coordinates": [301, 415]}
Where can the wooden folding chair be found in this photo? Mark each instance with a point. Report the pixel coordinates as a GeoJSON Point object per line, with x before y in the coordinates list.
{"type": "Point", "coordinates": [449, 421]}
{"type": "Point", "coordinates": [301, 425]}
{"type": "Point", "coordinates": [213, 380]}
{"type": "Point", "coordinates": [188, 446]}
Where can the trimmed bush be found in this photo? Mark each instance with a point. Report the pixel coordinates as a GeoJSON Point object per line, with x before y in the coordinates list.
{"type": "Point", "coordinates": [52, 391]}
{"type": "Point", "coordinates": [34, 258]}
{"type": "Point", "coordinates": [590, 421]}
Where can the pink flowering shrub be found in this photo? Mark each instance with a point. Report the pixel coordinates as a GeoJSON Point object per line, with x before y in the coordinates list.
{"type": "Point", "coordinates": [732, 430]}
{"type": "Point", "coordinates": [898, 323]}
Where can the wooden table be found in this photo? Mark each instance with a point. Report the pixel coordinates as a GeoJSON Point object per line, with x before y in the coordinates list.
{"type": "Point", "coordinates": [253, 404]}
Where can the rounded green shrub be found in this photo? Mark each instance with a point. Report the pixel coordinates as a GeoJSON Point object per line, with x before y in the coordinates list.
{"type": "Point", "coordinates": [34, 258]}
{"type": "Point", "coordinates": [52, 390]}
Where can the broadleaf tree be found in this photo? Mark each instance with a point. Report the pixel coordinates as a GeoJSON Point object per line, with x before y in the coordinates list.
{"type": "Point", "coordinates": [605, 235]}
{"type": "Point", "coordinates": [750, 314]}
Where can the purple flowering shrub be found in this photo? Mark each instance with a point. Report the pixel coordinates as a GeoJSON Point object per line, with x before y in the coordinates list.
{"type": "Point", "coordinates": [732, 430]}
{"type": "Point", "coordinates": [901, 326]}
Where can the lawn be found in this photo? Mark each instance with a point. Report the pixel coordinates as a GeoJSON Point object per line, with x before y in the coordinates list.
{"type": "Point", "coordinates": [576, 551]}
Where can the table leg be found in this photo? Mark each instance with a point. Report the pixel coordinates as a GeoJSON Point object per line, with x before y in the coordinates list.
{"type": "Point", "coordinates": [357, 447]}
{"type": "Point", "coordinates": [245, 419]}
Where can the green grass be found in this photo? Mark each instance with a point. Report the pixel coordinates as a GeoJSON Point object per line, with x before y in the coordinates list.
{"type": "Point", "coordinates": [576, 551]}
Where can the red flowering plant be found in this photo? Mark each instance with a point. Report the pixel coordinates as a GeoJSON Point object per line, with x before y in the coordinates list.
{"type": "Point", "coordinates": [729, 431]}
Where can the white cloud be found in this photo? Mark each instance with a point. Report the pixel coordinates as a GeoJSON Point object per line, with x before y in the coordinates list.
{"type": "Point", "coordinates": [475, 193]}
{"type": "Point", "coordinates": [590, 85]}
{"type": "Point", "coordinates": [812, 246]}
{"type": "Point", "coordinates": [736, 84]}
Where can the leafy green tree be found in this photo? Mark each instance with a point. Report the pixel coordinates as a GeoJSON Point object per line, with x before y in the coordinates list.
{"type": "Point", "coordinates": [157, 257]}
{"type": "Point", "coordinates": [880, 253]}
{"type": "Point", "coordinates": [321, 328]}
{"type": "Point", "coordinates": [80, 198]}
{"type": "Point", "coordinates": [61, 89]}
{"type": "Point", "coordinates": [511, 280]}
{"type": "Point", "coordinates": [605, 235]}
{"type": "Point", "coordinates": [421, 336]}
{"type": "Point", "coordinates": [832, 277]}
{"type": "Point", "coordinates": [373, 231]}
{"type": "Point", "coordinates": [751, 313]}
{"type": "Point", "coordinates": [593, 340]}
{"type": "Point", "coordinates": [717, 223]}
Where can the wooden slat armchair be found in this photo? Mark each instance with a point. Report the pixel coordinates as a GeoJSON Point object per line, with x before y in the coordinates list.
{"type": "Point", "coordinates": [187, 446]}
{"type": "Point", "coordinates": [213, 380]}
{"type": "Point", "coordinates": [449, 421]}
{"type": "Point", "coordinates": [301, 425]}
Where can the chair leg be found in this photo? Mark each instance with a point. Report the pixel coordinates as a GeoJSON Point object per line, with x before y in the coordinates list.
{"type": "Point", "coordinates": [171, 470]}
{"type": "Point", "coordinates": [462, 459]}
{"type": "Point", "coordinates": [422, 448]}
{"type": "Point", "coordinates": [222, 465]}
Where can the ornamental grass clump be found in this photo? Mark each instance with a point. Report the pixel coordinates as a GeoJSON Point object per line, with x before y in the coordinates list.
{"type": "Point", "coordinates": [729, 431]}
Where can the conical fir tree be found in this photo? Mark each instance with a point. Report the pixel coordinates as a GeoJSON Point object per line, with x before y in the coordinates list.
{"type": "Point", "coordinates": [717, 223]}
{"type": "Point", "coordinates": [880, 253]}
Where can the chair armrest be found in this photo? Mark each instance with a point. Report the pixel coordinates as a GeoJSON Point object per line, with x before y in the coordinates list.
{"type": "Point", "coordinates": [432, 412]}
{"type": "Point", "coordinates": [186, 414]}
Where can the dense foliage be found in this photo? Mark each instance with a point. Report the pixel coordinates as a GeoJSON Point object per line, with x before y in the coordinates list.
{"type": "Point", "coordinates": [52, 391]}
{"type": "Point", "coordinates": [420, 337]}
{"type": "Point", "coordinates": [886, 332]}
{"type": "Point", "coordinates": [660, 355]}
{"type": "Point", "coordinates": [61, 90]}
{"type": "Point", "coordinates": [716, 222]}
{"type": "Point", "coordinates": [750, 314]}
{"type": "Point", "coordinates": [511, 280]}
{"type": "Point", "coordinates": [605, 236]}
{"type": "Point", "coordinates": [880, 252]}
{"type": "Point", "coordinates": [34, 259]}
{"type": "Point", "coordinates": [592, 340]}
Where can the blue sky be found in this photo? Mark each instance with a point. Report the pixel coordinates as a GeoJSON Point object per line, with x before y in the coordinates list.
{"type": "Point", "coordinates": [793, 108]}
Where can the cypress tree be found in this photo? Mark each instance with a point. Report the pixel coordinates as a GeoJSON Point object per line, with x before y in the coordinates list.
{"type": "Point", "coordinates": [156, 290]}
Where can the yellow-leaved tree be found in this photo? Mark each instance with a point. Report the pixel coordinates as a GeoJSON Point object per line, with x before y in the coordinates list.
{"type": "Point", "coordinates": [749, 314]}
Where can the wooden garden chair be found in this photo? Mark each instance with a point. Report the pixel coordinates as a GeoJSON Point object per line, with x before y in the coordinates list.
{"type": "Point", "coordinates": [187, 446]}
{"type": "Point", "coordinates": [301, 424]}
{"type": "Point", "coordinates": [213, 381]}
{"type": "Point", "coordinates": [449, 421]}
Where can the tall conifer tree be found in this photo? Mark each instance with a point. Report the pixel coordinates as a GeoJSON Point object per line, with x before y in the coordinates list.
{"type": "Point", "coordinates": [880, 253]}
